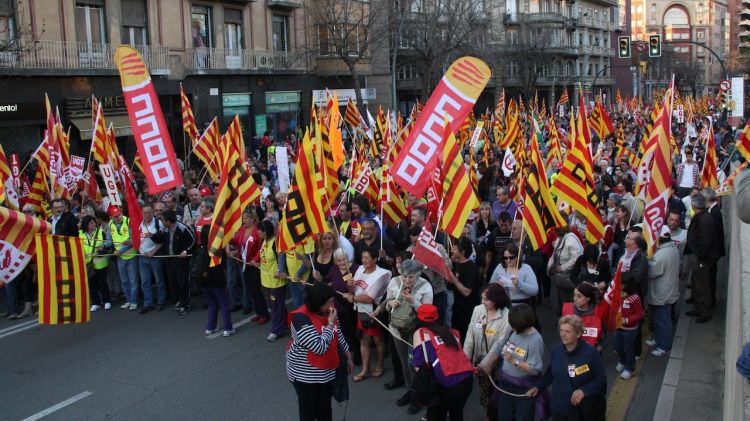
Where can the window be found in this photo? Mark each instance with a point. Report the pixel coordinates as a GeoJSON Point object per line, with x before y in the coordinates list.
{"type": "Point", "coordinates": [280, 30]}
{"type": "Point", "coordinates": [511, 69]}
{"type": "Point", "coordinates": [232, 29]}
{"type": "Point", "coordinates": [415, 6]}
{"type": "Point", "coordinates": [324, 43]}
{"type": "Point", "coordinates": [7, 22]}
{"type": "Point", "coordinates": [201, 26]}
{"type": "Point", "coordinates": [134, 28]}
{"type": "Point", "coordinates": [407, 72]}
{"type": "Point", "coordinates": [700, 34]}
{"type": "Point", "coordinates": [676, 16]}
{"type": "Point", "coordinates": [513, 36]}
{"type": "Point", "coordinates": [90, 27]}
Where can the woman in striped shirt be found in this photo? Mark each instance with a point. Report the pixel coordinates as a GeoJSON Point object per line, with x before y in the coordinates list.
{"type": "Point", "coordinates": [315, 352]}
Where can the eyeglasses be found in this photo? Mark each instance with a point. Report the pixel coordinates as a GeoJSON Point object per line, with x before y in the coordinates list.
{"type": "Point", "coordinates": [509, 257]}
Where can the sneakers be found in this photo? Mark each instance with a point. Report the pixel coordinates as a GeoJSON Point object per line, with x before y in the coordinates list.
{"type": "Point", "coordinates": [620, 367]}
{"type": "Point", "coordinates": [658, 352]}
{"type": "Point", "coordinates": [107, 306]}
{"type": "Point", "coordinates": [228, 333]}
{"type": "Point", "coordinates": [133, 307]}
{"type": "Point", "coordinates": [626, 375]}
{"type": "Point", "coordinates": [125, 306]}
{"type": "Point", "coordinates": [95, 308]}
{"type": "Point", "coordinates": [177, 307]}
{"type": "Point", "coordinates": [651, 342]}
{"type": "Point", "coordinates": [184, 311]}
{"type": "Point", "coordinates": [272, 337]}
{"type": "Point", "coordinates": [210, 332]}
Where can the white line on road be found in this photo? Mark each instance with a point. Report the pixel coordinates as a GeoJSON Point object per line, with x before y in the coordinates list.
{"type": "Point", "coordinates": [18, 325]}
{"type": "Point", "coordinates": [59, 406]}
{"type": "Point", "coordinates": [19, 328]}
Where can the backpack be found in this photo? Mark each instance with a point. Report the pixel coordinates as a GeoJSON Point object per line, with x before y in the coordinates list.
{"type": "Point", "coordinates": [404, 317]}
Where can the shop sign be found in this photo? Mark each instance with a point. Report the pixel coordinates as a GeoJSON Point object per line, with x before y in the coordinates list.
{"type": "Point", "coordinates": [285, 97]}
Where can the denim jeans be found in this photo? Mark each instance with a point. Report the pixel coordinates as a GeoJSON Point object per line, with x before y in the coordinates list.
{"type": "Point", "coordinates": [128, 270]}
{"type": "Point", "coordinates": [663, 326]}
{"type": "Point", "coordinates": [152, 268]}
{"type": "Point", "coordinates": [449, 307]}
{"type": "Point", "coordinates": [233, 276]}
{"type": "Point", "coordinates": [298, 294]}
{"type": "Point", "coordinates": [11, 298]}
{"type": "Point", "coordinates": [625, 348]}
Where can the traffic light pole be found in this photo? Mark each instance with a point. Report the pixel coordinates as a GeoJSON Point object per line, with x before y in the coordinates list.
{"type": "Point", "coordinates": [721, 60]}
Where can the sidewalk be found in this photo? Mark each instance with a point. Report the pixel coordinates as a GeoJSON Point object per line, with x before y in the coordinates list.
{"type": "Point", "coordinates": [693, 383]}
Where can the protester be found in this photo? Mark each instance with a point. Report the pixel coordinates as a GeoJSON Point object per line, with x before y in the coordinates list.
{"type": "Point", "coordinates": [249, 242]}
{"type": "Point", "coordinates": [489, 325]}
{"type": "Point", "coordinates": [517, 278]}
{"type": "Point", "coordinates": [92, 239]}
{"type": "Point", "coordinates": [127, 258]}
{"type": "Point", "coordinates": [316, 351]}
{"type": "Point", "coordinates": [180, 245]}
{"type": "Point", "coordinates": [663, 291]}
{"type": "Point", "coordinates": [214, 283]}
{"type": "Point", "coordinates": [273, 278]}
{"type": "Point", "coordinates": [464, 285]}
{"type": "Point", "coordinates": [567, 248]}
{"type": "Point", "coordinates": [151, 268]}
{"type": "Point", "coordinates": [585, 298]}
{"type": "Point", "coordinates": [438, 347]}
{"type": "Point", "coordinates": [576, 374]}
{"type": "Point", "coordinates": [341, 279]}
{"type": "Point", "coordinates": [702, 243]}
{"type": "Point", "coordinates": [626, 338]}
{"type": "Point", "coordinates": [63, 221]}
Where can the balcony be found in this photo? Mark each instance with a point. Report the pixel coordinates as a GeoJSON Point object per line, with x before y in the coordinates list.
{"type": "Point", "coordinates": [78, 58]}
{"type": "Point", "coordinates": [554, 49]}
{"type": "Point", "coordinates": [545, 18]}
{"type": "Point", "coordinates": [208, 60]}
{"type": "Point", "coordinates": [409, 84]}
{"type": "Point", "coordinates": [284, 4]}
{"type": "Point", "coordinates": [597, 51]}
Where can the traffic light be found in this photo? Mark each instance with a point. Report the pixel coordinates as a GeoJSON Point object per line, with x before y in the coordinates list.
{"type": "Point", "coordinates": [624, 51]}
{"type": "Point", "coordinates": [654, 46]}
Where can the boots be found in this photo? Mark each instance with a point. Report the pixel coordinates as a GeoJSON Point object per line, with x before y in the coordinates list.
{"type": "Point", "coordinates": [27, 311]}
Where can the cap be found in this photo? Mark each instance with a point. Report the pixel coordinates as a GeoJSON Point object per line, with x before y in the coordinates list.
{"type": "Point", "coordinates": [114, 212]}
{"type": "Point", "coordinates": [665, 231]}
{"type": "Point", "coordinates": [205, 191]}
{"type": "Point", "coordinates": [427, 313]}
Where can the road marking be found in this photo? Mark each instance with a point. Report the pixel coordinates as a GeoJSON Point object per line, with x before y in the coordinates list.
{"type": "Point", "coordinates": [20, 329]}
{"type": "Point", "coordinates": [238, 324]}
{"type": "Point", "coordinates": [59, 406]}
{"type": "Point", "coordinates": [19, 325]}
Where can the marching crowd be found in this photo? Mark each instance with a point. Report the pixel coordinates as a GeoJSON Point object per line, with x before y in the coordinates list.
{"type": "Point", "coordinates": [358, 288]}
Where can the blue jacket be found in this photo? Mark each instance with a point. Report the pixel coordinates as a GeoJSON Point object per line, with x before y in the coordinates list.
{"type": "Point", "coordinates": [589, 375]}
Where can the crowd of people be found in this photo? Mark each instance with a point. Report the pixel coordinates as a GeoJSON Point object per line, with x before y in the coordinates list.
{"type": "Point", "coordinates": [358, 287]}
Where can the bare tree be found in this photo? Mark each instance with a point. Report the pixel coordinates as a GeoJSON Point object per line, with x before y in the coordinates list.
{"type": "Point", "coordinates": [690, 75]}
{"type": "Point", "coordinates": [528, 52]}
{"type": "Point", "coordinates": [16, 35]}
{"type": "Point", "coordinates": [347, 30]}
{"type": "Point", "coordinates": [434, 33]}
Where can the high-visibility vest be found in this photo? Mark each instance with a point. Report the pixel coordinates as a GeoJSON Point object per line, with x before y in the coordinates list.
{"type": "Point", "coordinates": [120, 236]}
{"type": "Point", "coordinates": [90, 245]}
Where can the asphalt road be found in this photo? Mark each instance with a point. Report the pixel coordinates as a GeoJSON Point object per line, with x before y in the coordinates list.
{"type": "Point", "coordinates": [127, 366]}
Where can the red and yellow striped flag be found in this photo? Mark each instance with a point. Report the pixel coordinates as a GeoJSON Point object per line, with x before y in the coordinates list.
{"type": "Point", "coordinates": [539, 210]}
{"type": "Point", "coordinates": [38, 192]}
{"type": "Point", "coordinates": [459, 198]}
{"type": "Point", "coordinates": [564, 99]}
{"type": "Point", "coordinates": [710, 163]}
{"type": "Point", "coordinates": [17, 232]}
{"type": "Point", "coordinates": [500, 107]}
{"type": "Point", "coordinates": [512, 126]}
{"type": "Point", "coordinates": [743, 143]}
{"type": "Point", "coordinates": [188, 120]}
{"type": "Point", "coordinates": [100, 142]}
{"type": "Point", "coordinates": [206, 148]}
{"type": "Point", "coordinates": [575, 182]}
{"type": "Point", "coordinates": [63, 286]}
{"type": "Point", "coordinates": [657, 189]}
{"type": "Point", "coordinates": [600, 121]}
{"type": "Point", "coordinates": [7, 188]}
{"type": "Point", "coordinates": [236, 191]}
{"type": "Point", "coordinates": [330, 176]}
{"type": "Point", "coordinates": [304, 215]}
{"type": "Point", "coordinates": [352, 116]}
{"type": "Point", "coordinates": [391, 204]}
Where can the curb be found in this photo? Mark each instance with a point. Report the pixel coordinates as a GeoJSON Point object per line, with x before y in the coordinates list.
{"type": "Point", "coordinates": [665, 402]}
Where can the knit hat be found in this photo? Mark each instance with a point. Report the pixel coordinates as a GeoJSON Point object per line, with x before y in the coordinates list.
{"type": "Point", "coordinates": [427, 313]}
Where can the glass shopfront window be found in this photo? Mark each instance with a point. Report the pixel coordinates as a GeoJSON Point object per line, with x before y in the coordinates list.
{"type": "Point", "coordinates": [238, 104]}
{"type": "Point", "coordinates": [283, 110]}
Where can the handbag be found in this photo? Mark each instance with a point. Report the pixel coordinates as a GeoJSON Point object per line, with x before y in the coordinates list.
{"type": "Point", "coordinates": [367, 321]}
{"type": "Point", "coordinates": [562, 280]}
{"type": "Point", "coordinates": [340, 386]}
{"type": "Point", "coordinates": [423, 389]}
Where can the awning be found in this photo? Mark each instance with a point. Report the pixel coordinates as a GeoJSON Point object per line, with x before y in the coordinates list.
{"type": "Point", "coordinates": [121, 123]}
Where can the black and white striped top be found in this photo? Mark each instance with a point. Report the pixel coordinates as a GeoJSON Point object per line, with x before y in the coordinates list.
{"type": "Point", "coordinates": [306, 338]}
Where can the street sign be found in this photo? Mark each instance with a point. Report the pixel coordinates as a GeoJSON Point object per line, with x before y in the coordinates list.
{"type": "Point", "coordinates": [725, 85]}
{"type": "Point", "coordinates": [640, 46]}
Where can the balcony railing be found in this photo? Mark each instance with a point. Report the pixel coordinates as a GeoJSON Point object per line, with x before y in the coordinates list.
{"type": "Point", "coordinates": [79, 56]}
{"type": "Point", "coordinates": [597, 51]}
{"type": "Point", "coordinates": [201, 59]}
{"type": "Point", "coordinates": [547, 17]}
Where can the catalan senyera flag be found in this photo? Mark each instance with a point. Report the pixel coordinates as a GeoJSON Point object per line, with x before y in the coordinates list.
{"type": "Point", "coordinates": [63, 283]}
{"type": "Point", "coordinates": [743, 143]}
{"type": "Point", "coordinates": [38, 192]}
{"type": "Point", "coordinates": [727, 186]}
{"type": "Point", "coordinates": [459, 198]}
{"type": "Point", "coordinates": [554, 148]}
{"type": "Point", "coordinates": [657, 189]}
{"type": "Point", "coordinates": [233, 135]}
{"type": "Point", "coordinates": [17, 232]}
{"type": "Point", "coordinates": [391, 203]}
{"type": "Point", "coordinates": [304, 215]}
{"type": "Point", "coordinates": [206, 148]}
{"type": "Point", "coordinates": [100, 142]}
{"type": "Point", "coordinates": [327, 168]}
{"type": "Point", "coordinates": [8, 192]}
{"type": "Point", "coordinates": [564, 99]}
{"type": "Point", "coordinates": [188, 120]}
{"type": "Point", "coordinates": [539, 211]}
{"type": "Point", "coordinates": [512, 126]}
{"type": "Point", "coordinates": [236, 191]}
{"type": "Point", "coordinates": [710, 163]}
{"type": "Point", "coordinates": [352, 115]}
{"type": "Point", "coordinates": [500, 107]}
{"type": "Point", "coordinates": [600, 121]}
{"type": "Point", "coordinates": [575, 182]}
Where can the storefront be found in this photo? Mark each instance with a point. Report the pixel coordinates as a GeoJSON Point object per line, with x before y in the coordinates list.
{"type": "Point", "coordinates": [238, 104]}
{"type": "Point", "coordinates": [283, 111]}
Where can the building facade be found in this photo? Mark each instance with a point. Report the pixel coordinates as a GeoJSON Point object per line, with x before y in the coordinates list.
{"type": "Point", "coordinates": [247, 58]}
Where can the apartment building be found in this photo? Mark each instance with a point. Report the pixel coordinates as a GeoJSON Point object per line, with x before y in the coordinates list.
{"type": "Point", "coordinates": [249, 58]}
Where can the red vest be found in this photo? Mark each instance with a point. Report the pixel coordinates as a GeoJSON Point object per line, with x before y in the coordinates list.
{"type": "Point", "coordinates": [592, 324]}
{"type": "Point", "coordinates": [330, 359]}
{"type": "Point", "coordinates": [452, 360]}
